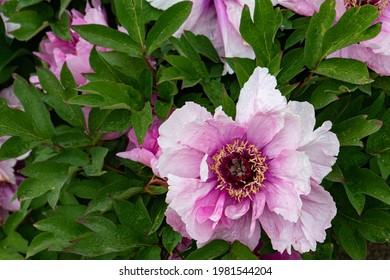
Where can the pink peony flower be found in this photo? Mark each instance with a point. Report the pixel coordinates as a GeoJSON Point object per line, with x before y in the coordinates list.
{"type": "Point", "coordinates": [219, 20]}
{"type": "Point", "coordinates": [149, 152]}
{"type": "Point", "coordinates": [55, 51]}
{"type": "Point", "coordinates": [375, 53]}
{"type": "Point", "coordinates": [227, 178]}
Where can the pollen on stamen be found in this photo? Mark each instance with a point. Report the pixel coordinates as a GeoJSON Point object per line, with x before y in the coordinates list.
{"type": "Point", "coordinates": [240, 169]}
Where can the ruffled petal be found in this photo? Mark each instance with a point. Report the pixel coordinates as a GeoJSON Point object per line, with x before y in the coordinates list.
{"type": "Point", "coordinates": [259, 96]}
{"type": "Point", "coordinates": [184, 162]}
{"type": "Point", "coordinates": [238, 230]}
{"type": "Point", "coordinates": [172, 129]}
{"type": "Point", "coordinates": [287, 137]}
{"type": "Point", "coordinates": [320, 145]}
{"type": "Point", "coordinates": [318, 209]}
{"type": "Point", "coordinates": [287, 178]}
{"type": "Point", "coordinates": [237, 210]}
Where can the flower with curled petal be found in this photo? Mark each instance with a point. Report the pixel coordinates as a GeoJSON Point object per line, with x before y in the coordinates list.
{"type": "Point", "coordinates": [228, 178]}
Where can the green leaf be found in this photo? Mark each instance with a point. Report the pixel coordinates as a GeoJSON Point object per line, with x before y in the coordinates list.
{"type": "Point", "coordinates": [103, 121]}
{"type": "Point", "coordinates": [380, 141]}
{"type": "Point", "coordinates": [167, 24]}
{"type": "Point", "coordinates": [34, 107]}
{"type": "Point", "coordinates": [159, 208]}
{"type": "Point", "coordinates": [170, 239]}
{"type": "Point", "coordinates": [61, 27]}
{"type": "Point", "coordinates": [243, 67]}
{"type": "Point", "coordinates": [39, 182]}
{"type": "Point", "coordinates": [292, 64]}
{"type": "Point", "coordinates": [360, 182]}
{"type": "Point", "coordinates": [238, 251]}
{"type": "Point", "coordinates": [56, 97]}
{"type": "Point", "coordinates": [260, 33]}
{"type": "Point", "coordinates": [141, 121]}
{"type": "Point", "coordinates": [133, 215]}
{"type": "Point", "coordinates": [203, 46]}
{"type": "Point", "coordinates": [353, 243]}
{"type": "Point", "coordinates": [32, 20]}
{"type": "Point", "coordinates": [61, 227]}
{"type": "Point", "coordinates": [210, 251]}
{"type": "Point", "coordinates": [355, 25]}
{"type": "Point", "coordinates": [68, 82]}
{"type": "Point", "coordinates": [383, 160]}
{"type": "Point", "coordinates": [323, 251]}
{"type": "Point", "coordinates": [184, 67]}
{"type": "Point", "coordinates": [328, 91]}
{"type": "Point", "coordinates": [72, 156]}
{"type": "Point", "coordinates": [374, 225]}
{"type": "Point", "coordinates": [97, 161]}
{"type": "Point", "coordinates": [344, 69]}
{"type": "Point", "coordinates": [16, 123]}
{"type": "Point", "coordinates": [27, 3]}
{"type": "Point", "coordinates": [185, 48]}
{"type": "Point", "coordinates": [129, 13]}
{"type": "Point", "coordinates": [15, 147]}
{"type": "Point", "coordinates": [217, 94]}
{"type": "Point", "coordinates": [349, 132]}
{"type": "Point", "coordinates": [108, 95]}
{"type": "Point", "coordinates": [149, 253]}
{"type": "Point", "coordinates": [63, 6]}
{"type": "Point", "coordinates": [104, 36]}
{"type": "Point", "coordinates": [41, 242]}
{"type": "Point", "coordinates": [319, 24]}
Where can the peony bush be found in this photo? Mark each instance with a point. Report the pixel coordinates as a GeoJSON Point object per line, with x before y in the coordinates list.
{"type": "Point", "coordinates": [181, 130]}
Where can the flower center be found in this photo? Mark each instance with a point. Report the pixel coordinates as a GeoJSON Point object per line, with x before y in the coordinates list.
{"type": "Point", "coordinates": [381, 4]}
{"type": "Point", "coordinates": [240, 169]}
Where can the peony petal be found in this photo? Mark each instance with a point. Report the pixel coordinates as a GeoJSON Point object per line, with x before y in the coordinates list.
{"type": "Point", "coordinates": [317, 212]}
{"type": "Point", "coordinates": [138, 155]}
{"type": "Point", "coordinates": [190, 161]}
{"type": "Point", "coordinates": [239, 230]}
{"type": "Point", "coordinates": [287, 178]}
{"type": "Point", "coordinates": [322, 151]}
{"type": "Point", "coordinates": [288, 138]}
{"type": "Point", "coordinates": [238, 209]}
{"type": "Point", "coordinates": [172, 128]}
{"type": "Point", "coordinates": [258, 203]}
{"type": "Point", "coordinates": [259, 96]}
{"type": "Point", "coordinates": [233, 43]}
{"type": "Point", "coordinates": [174, 220]}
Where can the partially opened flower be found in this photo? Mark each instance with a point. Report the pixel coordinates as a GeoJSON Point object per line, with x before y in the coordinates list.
{"type": "Point", "coordinates": [227, 178]}
{"type": "Point", "coordinates": [375, 53]}
{"type": "Point", "coordinates": [55, 51]}
{"type": "Point", "coordinates": [219, 20]}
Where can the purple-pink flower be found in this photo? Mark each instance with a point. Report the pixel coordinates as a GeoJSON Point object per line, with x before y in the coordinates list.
{"type": "Point", "coordinates": [375, 53]}
{"type": "Point", "coordinates": [55, 51]}
{"type": "Point", "coordinates": [228, 178]}
{"type": "Point", "coordinates": [219, 20]}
